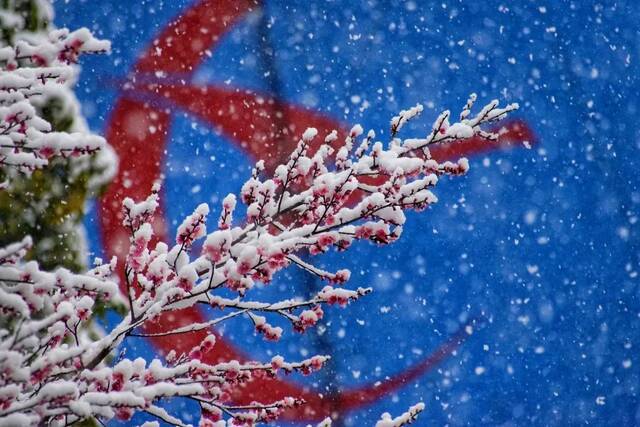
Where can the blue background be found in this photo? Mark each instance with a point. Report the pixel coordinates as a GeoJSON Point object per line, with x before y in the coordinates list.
{"type": "Point", "coordinates": [541, 243]}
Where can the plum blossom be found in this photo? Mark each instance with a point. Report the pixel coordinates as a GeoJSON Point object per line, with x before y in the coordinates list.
{"type": "Point", "coordinates": [320, 199]}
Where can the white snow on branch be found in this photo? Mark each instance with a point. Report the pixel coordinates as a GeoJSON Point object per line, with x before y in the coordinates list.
{"type": "Point", "coordinates": [406, 418]}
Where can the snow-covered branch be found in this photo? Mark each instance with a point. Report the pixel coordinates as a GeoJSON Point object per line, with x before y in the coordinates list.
{"type": "Point", "coordinates": [406, 418]}
{"type": "Point", "coordinates": [386, 420]}
{"type": "Point", "coordinates": [313, 202]}
{"type": "Point", "coordinates": [53, 373]}
{"type": "Point", "coordinates": [29, 71]}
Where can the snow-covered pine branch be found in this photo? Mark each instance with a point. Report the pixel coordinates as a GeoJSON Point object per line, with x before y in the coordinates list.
{"type": "Point", "coordinates": [53, 374]}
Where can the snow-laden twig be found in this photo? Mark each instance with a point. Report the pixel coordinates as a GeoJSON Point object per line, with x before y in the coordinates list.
{"type": "Point", "coordinates": [406, 418]}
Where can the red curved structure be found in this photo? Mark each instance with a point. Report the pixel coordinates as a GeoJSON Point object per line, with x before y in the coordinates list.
{"type": "Point", "coordinates": [138, 130]}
